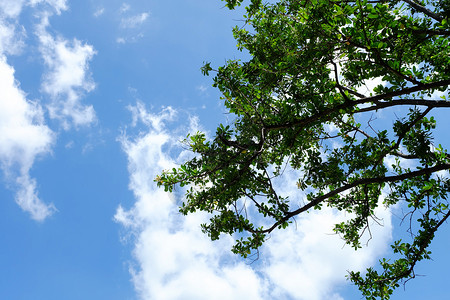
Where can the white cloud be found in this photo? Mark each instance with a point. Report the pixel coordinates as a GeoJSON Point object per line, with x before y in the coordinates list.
{"type": "Point", "coordinates": [307, 261]}
{"type": "Point", "coordinates": [438, 95]}
{"type": "Point", "coordinates": [129, 39]}
{"type": "Point", "coordinates": [23, 138]}
{"type": "Point", "coordinates": [140, 114]}
{"type": "Point", "coordinates": [57, 5]}
{"type": "Point", "coordinates": [120, 40]}
{"type": "Point", "coordinates": [130, 25]}
{"type": "Point", "coordinates": [369, 85]}
{"type": "Point", "coordinates": [134, 21]}
{"type": "Point", "coordinates": [29, 201]}
{"type": "Point", "coordinates": [11, 8]}
{"type": "Point", "coordinates": [11, 33]}
{"type": "Point", "coordinates": [23, 135]}
{"type": "Point", "coordinates": [67, 78]}
{"type": "Point", "coordinates": [124, 8]}
{"type": "Point", "coordinates": [99, 12]}
{"type": "Point", "coordinates": [202, 89]}
{"type": "Point", "coordinates": [175, 260]}
{"type": "Point", "coordinates": [11, 38]}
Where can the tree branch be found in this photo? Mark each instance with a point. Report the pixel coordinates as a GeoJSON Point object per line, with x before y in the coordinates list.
{"type": "Point", "coordinates": [424, 10]}
{"type": "Point", "coordinates": [308, 120]}
{"type": "Point", "coordinates": [417, 102]}
{"type": "Point", "coordinates": [356, 183]}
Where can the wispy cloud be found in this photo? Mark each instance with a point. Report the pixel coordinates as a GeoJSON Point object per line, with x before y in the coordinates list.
{"type": "Point", "coordinates": [57, 5]}
{"type": "Point", "coordinates": [129, 38]}
{"type": "Point", "coordinates": [124, 8]}
{"type": "Point", "coordinates": [120, 40]}
{"type": "Point", "coordinates": [99, 12]}
{"type": "Point", "coordinates": [11, 37]}
{"type": "Point", "coordinates": [134, 21]}
{"type": "Point", "coordinates": [202, 88]}
{"type": "Point", "coordinates": [131, 24]}
{"type": "Point", "coordinates": [23, 138]}
{"type": "Point", "coordinates": [175, 260]}
{"type": "Point", "coordinates": [67, 78]}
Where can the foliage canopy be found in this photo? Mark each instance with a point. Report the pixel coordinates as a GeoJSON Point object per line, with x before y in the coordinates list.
{"type": "Point", "coordinates": [300, 101]}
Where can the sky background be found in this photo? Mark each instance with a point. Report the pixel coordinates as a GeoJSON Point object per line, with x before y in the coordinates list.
{"type": "Point", "coordinates": [95, 97]}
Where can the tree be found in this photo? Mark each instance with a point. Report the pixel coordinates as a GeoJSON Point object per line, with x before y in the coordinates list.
{"type": "Point", "coordinates": [309, 62]}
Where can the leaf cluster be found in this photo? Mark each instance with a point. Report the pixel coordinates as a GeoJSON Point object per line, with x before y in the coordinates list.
{"type": "Point", "coordinates": [299, 103]}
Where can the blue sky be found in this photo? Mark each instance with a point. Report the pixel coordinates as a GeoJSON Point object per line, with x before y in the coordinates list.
{"type": "Point", "coordinates": [95, 96]}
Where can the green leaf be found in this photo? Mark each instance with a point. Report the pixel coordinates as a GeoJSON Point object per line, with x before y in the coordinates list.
{"type": "Point", "coordinates": [302, 105]}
